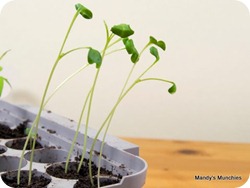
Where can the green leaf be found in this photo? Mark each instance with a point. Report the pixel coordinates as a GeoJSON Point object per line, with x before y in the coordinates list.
{"type": "Point", "coordinates": [1, 68]}
{"type": "Point", "coordinates": [135, 57]}
{"type": "Point", "coordinates": [130, 48]}
{"type": "Point", "coordinates": [160, 43]}
{"type": "Point", "coordinates": [1, 57]}
{"type": "Point", "coordinates": [172, 89]}
{"type": "Point", "coordinates": [86, 13]}
{"type": "Point", "coordinates": [94, 56]}
{"type": "Point", "coordinates": [152, 40]}
{"type": "Point", "coordinates": [2, 81]}
{"type": "Point", "coordinates": [107, 29]}
{"type": "Point", "coordinates": [155, 53]}
{"type": "Point", "coordinates": [1, 85]}
{"type": "Point", "coordinates": [122, 30]}
{"type": "Point", "coordinates": [129, 45]}
{"type": "Point", "coordinates": [7, 81]}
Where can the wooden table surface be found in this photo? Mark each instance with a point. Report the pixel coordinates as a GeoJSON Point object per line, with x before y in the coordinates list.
{"type": "Point", "coordinates": [175, 164]}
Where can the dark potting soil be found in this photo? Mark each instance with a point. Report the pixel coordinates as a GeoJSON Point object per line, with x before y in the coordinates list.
{"type": "Point", "coordinates": [83, 175]}
{"type": "Point", "coordinates": [10, 179]}
{"type": "Point", "coordinates": [58, 170]}
{"type": "Point", "coordinates": [2, 151]}
{"type": "Point", "coordinates": [6, 132]}
{"type": "Point", "coordinates": [19, 144]}
{"type": "Point", "coordinates": [84, 182]}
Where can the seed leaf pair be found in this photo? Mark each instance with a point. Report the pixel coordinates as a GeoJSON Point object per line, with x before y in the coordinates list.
{"type": "Point", "coordinates": [94, 56]}
{"type": "Point", "coordinates": [159, 43]}
{"type": "Point", "coordinates": [153, 50]}
{"type": "Point", "coordinates": [130, 48]}
{"type": "Point", "coordinates": [122, 30]}
{"type": "Point", "coordinates": [86, 13]}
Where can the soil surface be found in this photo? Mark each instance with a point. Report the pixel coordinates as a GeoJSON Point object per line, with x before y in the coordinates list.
{"type": "Point", "coordinates": [2, 151]}
{"type": "Point", "coordinates": [83, 175]}
{"type": "Point", "coordinates": [8, 133]}
{"type": "Point", "coordinates": [58, 170]}
{"type": "Point", "coordinates": [36, 181]}
{"type": "Point", "coordinates": [84, 182]}
{"type": "Point", "coordinates": [19, 144]}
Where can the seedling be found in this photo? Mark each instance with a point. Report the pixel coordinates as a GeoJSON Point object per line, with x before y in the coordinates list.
{"type": "Point", "coordinates": [87, 15]}
{"type": "Point", "coordinates": [118, 34]}
{"type": "Point", "coordinates": [124, 31]}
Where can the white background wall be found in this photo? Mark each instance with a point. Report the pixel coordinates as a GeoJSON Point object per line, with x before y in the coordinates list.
{"type": "Point", "coordinates": [208, 58]}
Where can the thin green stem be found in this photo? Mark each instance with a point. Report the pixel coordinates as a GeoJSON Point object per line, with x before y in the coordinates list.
{"type": "Point", "coordinates": [77, 131]}
{"type": "Point", "coordinates": [102, 146]}
{"type": "Point", "coordinates": [155, 79]}
{"type": "Point", "coordinates": [150, 67]}
{"type": "Point", "coordinates": [4, 54]}
{"type": "Point", "coordinates": [75, 49]}
{"type": "Point", "coordinates": [85, 139]}
{"type": "Point", "coordinates": [110, 116]}
{"type": "Point", "coordinates": [113, 51]}
{"type": "Point", "coordinates": [115, 42]}
{"type": "Point", "coordinates": [145, 47]}
{"type": "Point", "coordinates": [41, 106]}
{"type": "Point", "coordinates": [88, 114]}
{"type": "Point", "coordinates": [64, 82]}
{"type": "Point", "coordinates": [109, 38]}
{"type": "Point", "coordinates": [109, 122]}
{"type": "Point", "coordinates": [118, 101]}
{"type": "Point", "coordinates": [107, 118]}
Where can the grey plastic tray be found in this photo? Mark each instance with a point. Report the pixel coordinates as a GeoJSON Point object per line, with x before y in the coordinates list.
{"type": "Point", "coordinates": [56, 133]}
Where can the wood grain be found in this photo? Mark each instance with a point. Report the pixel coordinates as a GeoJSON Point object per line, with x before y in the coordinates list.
{"type": "Point", "coordinates": [174, 164]}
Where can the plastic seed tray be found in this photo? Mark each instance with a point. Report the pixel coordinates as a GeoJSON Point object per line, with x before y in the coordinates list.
{"type": "Point", "coordinates": [55, 134]}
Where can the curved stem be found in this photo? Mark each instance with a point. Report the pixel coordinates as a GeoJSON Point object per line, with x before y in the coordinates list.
{"type": "Point", "coordinates": [36, 122]}
{"type": "Point", "coordinates": [75, 49]}
{"type": "Point", "coordinates": [107, 118]}
{"type": "Point", "coordinates": [88, 115]}
{"type": "Point", "coordinates": [144, 72]}
{"type": "Point", "coordinates": [117, 50]}
{"type": "Point", "coordinates": [63, 83]}
{"type": "Point", "coordinates": [155, 79]}
{"type": "Point", "coordinates": [90, 104]}
{"type": "Point", "coordinates": [77, 132]}
{"type": "Point", "coordinates": [4, 54]}
{"type": "Point", "coordinates": [115, 42]}
{"type": "Point", "coordinates": [145, 47]}
{"type": "Point", "coordinates": [109, 38]}
{"type": "Point", "coordinates": [121, 95]}
{"type": "Point", "coordinates": [110, 116]}
{"type": "Point", "coordinates": [109, 122]}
